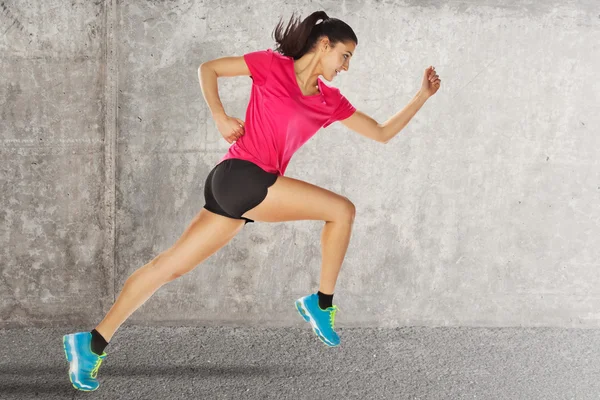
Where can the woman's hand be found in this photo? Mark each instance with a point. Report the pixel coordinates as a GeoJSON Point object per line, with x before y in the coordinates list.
{"type": "Point", "coordinates": [231, 128]}
{"type": "Point", "coordinates": [431, 82]}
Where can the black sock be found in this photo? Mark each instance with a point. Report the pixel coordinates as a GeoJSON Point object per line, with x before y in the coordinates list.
{"type": "Point", "coordinates": [325, 300]}
{"type": "Point", "coordinates": [98, 343]}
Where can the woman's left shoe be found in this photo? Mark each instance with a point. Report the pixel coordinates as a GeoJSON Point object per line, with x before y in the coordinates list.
{"type": "Point", "coordinates": [321, 320]}
{"type": "Point", "coordinates": [83, 362]}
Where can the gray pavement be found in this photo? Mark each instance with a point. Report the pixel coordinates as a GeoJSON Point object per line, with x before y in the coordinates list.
{"type": "Point", "coordinates": [291, 363]}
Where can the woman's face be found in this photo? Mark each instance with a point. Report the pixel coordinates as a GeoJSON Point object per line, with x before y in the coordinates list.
{"type": "Point", "coordinates": [337, 59]}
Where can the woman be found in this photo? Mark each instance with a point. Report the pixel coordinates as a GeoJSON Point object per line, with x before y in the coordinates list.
{"type": "Point", "coordinates": [288, 105]}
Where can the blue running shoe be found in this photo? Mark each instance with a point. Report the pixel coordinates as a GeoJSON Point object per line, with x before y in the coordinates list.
{"type": "Point", "coordinates": [321, 320]}
{"type": "Point", "coordinates": [84, 363]}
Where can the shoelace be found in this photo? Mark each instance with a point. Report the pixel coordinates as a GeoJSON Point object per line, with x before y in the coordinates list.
{"type": "Point", "coordinates": [332, 315]}
{"type": "Point", "coordinates": [95, 370]}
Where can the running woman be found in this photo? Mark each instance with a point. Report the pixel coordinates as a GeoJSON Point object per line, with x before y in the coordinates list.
{"type": "Point", "coordinates": [288, 105]}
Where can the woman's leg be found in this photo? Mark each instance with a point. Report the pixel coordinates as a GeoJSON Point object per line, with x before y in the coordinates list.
{"type": "Point", "coordinates": [334, 243]}
{"type": "Point", "coordinates": [290, 199]}
{"type": "Point", "coordinates": [206, 234]}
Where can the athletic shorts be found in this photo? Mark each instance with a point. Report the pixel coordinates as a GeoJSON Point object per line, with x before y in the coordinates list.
{"type": "Point", "coordinates": [235, 186]}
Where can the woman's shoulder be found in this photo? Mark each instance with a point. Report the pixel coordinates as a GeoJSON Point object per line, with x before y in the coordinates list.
{"type": "Point", "coordinates": [332, 91]}
{"type": "Point", "coordinates": [281, 59]}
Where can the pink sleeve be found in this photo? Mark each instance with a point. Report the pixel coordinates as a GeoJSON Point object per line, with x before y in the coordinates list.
{"type": "Point", "coordinates": [343, 111]}
{"type": "Point", "coordinates": [259, 64]}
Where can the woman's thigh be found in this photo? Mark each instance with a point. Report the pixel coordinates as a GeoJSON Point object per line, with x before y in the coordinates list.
{"type": "Point", "coordinates": [207, 233]}
{"type": "Point", "coordinates": [290, 199]}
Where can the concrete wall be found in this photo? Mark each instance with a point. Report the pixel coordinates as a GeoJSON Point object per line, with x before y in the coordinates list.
{"type": "Point", "coordinates": [483, 211]}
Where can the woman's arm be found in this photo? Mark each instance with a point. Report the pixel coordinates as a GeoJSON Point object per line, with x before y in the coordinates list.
{"type": "Point", "coordinates": [368, 127]}
{"type": "Point", "coordinates": [210, 90]}
{"type": "Point", "coordinates": [361, 123]}
{"type": "Point", "coordinates": [209, 71]}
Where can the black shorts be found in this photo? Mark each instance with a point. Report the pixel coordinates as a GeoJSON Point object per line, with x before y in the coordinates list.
{"type": "Point", "coordinates": [235, 186]}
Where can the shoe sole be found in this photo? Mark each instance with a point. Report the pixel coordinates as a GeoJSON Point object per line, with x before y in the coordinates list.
{"type": "Point", "coordinates": [306, 316]}
{"type": "Point", "coordinates": [69, 359]}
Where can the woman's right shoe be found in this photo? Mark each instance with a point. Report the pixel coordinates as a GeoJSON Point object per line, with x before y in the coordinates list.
{"type": "Point", "coordinates": [83, 362]}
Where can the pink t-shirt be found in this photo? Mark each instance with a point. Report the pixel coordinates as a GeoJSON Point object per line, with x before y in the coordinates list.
{"type": "Point", "coordinates": [279, 118]}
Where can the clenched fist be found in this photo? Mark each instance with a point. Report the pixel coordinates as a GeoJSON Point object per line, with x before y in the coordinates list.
{"type": "Point", "coordinates": [431, 82]}
{"type": "Point", "coordinates": [231, 128]}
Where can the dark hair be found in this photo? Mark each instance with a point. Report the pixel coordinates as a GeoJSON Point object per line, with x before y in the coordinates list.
{"type": "Point", "coordinates": [300, 37]}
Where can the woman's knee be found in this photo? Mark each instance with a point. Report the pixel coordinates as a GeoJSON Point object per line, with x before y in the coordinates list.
{"type": "Point", "coordinates": [349, 210]}
{"type": "Point", "coordinates": [164, 266]}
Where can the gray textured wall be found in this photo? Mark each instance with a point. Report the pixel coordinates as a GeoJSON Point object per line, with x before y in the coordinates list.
{"type": "Point", "coordinates": [483, 211]}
